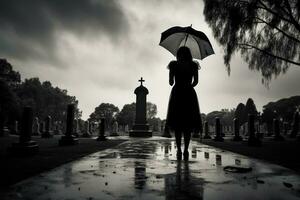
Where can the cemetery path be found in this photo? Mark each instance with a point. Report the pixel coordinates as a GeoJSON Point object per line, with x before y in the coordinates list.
{"type": "Point", "coordinates": [147, 169]}
{"type": "Point", "coordinates": [14, 169]}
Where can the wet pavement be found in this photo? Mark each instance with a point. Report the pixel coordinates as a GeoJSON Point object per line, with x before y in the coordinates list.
{"type": "Point", "coordinates": [148, 169]}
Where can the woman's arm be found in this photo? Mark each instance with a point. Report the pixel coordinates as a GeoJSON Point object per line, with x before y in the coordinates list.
{"type": "Point", "coordinates": [171, 77]}
{"type": "Point", "coordinates": [195, 78]}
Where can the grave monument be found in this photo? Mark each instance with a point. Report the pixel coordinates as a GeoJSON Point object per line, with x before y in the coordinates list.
{"type": "Point", "coordinates": [25, 146]}
{"type": "Point", "coordinates": [140, 127]}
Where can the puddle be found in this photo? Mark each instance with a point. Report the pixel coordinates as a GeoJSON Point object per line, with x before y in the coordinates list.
{"type": "Point", "coordinates": [148, 169]}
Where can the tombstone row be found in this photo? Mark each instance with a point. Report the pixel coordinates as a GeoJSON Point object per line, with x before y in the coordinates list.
{"type": "Point", "coordinates": [26, 146]}
{"type": "Point", "coordinates": [254, 135]}
{"type": "Point", "coordinates": [47, 129]}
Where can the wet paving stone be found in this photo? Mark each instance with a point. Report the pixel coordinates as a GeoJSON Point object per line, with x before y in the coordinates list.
{"type": "Point", "coordinates": [148, 169]}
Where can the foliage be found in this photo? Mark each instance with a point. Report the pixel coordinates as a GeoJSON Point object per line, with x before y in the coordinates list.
{"type": "Point", "coordinates": [151, 110]}
{"type": "Point", "coordinates": [283, 108]}
{"type": "Point", "coordinates": [242, 111]}
{"type": "Point", "coordinates": [239, 113]}
{"type": "Point", "coordinates": [265, 32]}
{"type": "Point", "coordinates": [7, 74]}
{"type": "Point", "coordinates": [250, 108]}
{"type": "Point", "coordinates": [45, 99]}
{"type": "Point", "coordinates": [127, 114]}
{"type": "Point", "coordinates": [226, 117]}
{"type": "Point", "coordinates": [106, 110]}
{"type": "Point", "coordinates": [154, 122]}
{"type": "Point", "coordinates": [9, 104]}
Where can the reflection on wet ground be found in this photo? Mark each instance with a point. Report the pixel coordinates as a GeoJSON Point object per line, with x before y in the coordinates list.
{"type": "Point", "coordinates": [147, 169]}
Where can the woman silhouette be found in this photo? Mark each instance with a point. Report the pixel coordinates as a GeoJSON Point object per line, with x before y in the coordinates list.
{"type": "Point", "coordinates": [183, 115]}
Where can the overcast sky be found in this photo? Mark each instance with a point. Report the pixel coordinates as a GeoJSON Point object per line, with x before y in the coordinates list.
{"type": "Point", "coordinates": [98, 49]}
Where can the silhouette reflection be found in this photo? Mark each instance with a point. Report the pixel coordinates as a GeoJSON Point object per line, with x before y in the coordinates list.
{"type": "Point", "coordinates": [140, 177]}
{"type": "Point", "coordinates": [182, 185]}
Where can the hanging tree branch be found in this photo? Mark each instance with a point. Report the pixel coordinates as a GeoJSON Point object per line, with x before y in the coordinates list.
{"type": "Point", "coordinates": [249, 46]}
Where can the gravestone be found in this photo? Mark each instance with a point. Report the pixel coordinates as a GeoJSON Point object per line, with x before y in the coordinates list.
{"type": "Point", "coordinates": [218, 133]}
{"type": "Point", "coordinates": [76, 128]}
{"type": "Point", "coordinates": [206, 131]}
{"type": "Point", "coordinates": [101, 136]}
{"type": "Point", "coordinates": [68, 138]}
{"type": "Point", "coordinates": [159, 125]}
{"type": "Point", "coordinates": [126, 128]}
{"type": "Point", "coordinates": [222, 130]}
{"type": "Point", "coordinates": [36, 126]}
{"type": "Point", "coordinates": [57, 126]}
{"type": "Point", "coordinates": [295, 125]}
{"type": "Point", "coordinates": [236, 125]}
{"type": "Point", "coordinates": [253, 140]}
{"type": "Point", "coordinates": [166, 132]}
{"type": "Point", "coordinates": [15, 129]}
{"type": "Point", "coordinates": [42, 127]}
{"type": "Point", "coordinates": [48, 130]}
{"type": "Point", "coordinates": [115, 129]}
{"type": "Point", "coordinates": [277, 135]}
{"type": "Point", "coordinates": [140, 127]}
{"type": "Point", "coordinates": [91, 128]}
{"type": "Point", "coordinates": [285, 128]}
{"type": "Point", "coordinates": [25, 146]}
{"type": "Point", "coordinates": [86, 131]}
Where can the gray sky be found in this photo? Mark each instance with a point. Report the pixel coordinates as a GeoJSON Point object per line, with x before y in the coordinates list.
{"type": "Point", "coordinates": [98, 49]}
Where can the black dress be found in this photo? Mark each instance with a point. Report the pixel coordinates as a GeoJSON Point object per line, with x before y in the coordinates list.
{"type": "Point", "coordinates": [183, 110]}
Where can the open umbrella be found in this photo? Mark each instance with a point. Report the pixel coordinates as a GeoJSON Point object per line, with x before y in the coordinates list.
{"type": "Point", "coordinates": [177, 36]}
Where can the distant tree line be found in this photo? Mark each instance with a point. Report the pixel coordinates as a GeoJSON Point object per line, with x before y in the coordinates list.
{"type": "Point", "coordinates": [41, 96]}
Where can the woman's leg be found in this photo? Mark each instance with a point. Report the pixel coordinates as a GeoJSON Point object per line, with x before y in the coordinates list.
{"type": "Point", "coordinates": [187, 138]}
{"type": "Point", "coordinates": [178, 136]}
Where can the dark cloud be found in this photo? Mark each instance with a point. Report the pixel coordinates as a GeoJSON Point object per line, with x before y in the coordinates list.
{"type": "Point", "coordinates": [28, 29]}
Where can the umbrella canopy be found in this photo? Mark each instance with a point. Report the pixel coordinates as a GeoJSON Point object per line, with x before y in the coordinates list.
{"type": "Point", "coordinates": [175, 37]}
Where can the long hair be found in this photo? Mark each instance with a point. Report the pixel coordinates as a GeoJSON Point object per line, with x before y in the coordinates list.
{"type": "Point", "coordinates": [184, 54]}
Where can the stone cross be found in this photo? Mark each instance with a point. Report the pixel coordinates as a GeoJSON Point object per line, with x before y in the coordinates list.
{"type": "Point", "coordinates": [141, 80]}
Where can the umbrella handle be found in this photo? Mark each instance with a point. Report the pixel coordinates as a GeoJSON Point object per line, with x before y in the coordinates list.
{"type": "Point", "coordinates": [187, 35]}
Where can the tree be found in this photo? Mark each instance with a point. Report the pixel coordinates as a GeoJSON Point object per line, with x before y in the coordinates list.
{"type": "Point", "coordinates": [265, 32]}
{"type": "Point", "coordinates": [151, 110]}
{"type": "Point", "coordinates": [45, 99]}
{"type": "Point", "coordinates": [107, 110]}
{"type": "Point", "coordinates": [210, 117]}
{"type": "Point", "coordinates": [239, 113]}
{"type": "Point", "coordinates": [284, 108]}
{"type": "Point", "coordinates": [126, 115]}
{"type": "Point", "coordinates": [9, 105]}
{"type": "Point", "coordinates": [250, 109]}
